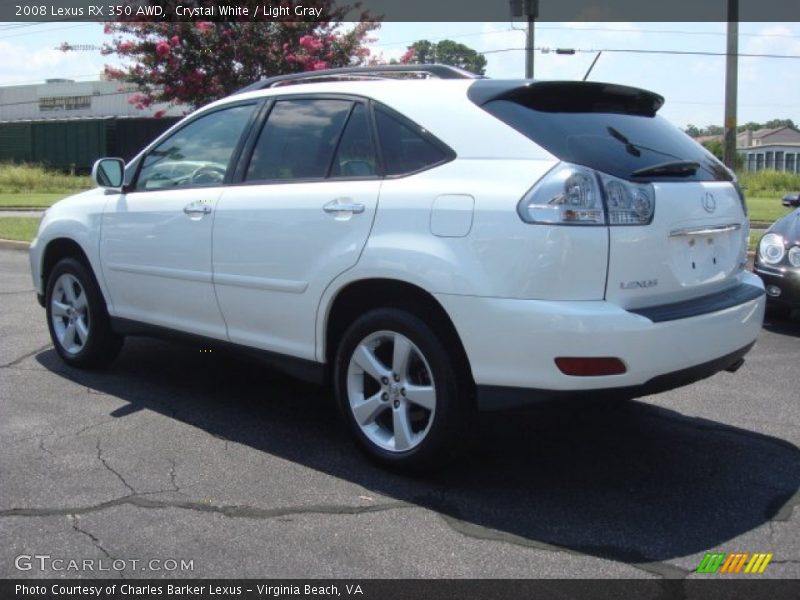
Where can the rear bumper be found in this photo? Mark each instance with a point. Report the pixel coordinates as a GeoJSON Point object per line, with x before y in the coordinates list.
{"type": "Point", "coordinates": [513, 343]}
{"type": "Point", "coordinates": [492, 397]}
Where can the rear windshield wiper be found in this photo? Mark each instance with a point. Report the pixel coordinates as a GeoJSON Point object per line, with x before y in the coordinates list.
{"type": "Point", "coordinates": [633, 148]}
{"type": "Point", "coordinates": [677, 168]}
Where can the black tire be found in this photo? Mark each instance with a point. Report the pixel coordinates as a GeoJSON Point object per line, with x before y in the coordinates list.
{"type": "Point", "coordinates": [444, 432]}
{"type": "Point", "coordinates": [101, 345]}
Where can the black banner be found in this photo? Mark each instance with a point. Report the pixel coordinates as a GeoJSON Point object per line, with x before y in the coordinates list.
{"type": "Point", "coordinates": [401, 589]}
{"type": "Point", "coordinates": [394, 10]}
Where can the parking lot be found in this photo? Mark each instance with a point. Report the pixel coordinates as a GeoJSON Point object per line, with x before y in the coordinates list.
{"type": "Point", "coordinates": [174, 453]}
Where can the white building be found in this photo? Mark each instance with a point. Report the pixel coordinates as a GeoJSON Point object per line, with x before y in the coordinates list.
{"type": "Point", "coordinates": [64, 99]}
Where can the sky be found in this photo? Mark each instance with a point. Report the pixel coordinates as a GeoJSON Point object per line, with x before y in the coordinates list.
{"type": "Point", "coordinates": [693, 85]}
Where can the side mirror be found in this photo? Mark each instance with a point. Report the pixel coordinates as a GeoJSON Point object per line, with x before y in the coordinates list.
{"type": "Point", "coordinates": [791, 200]}
{"type": "Point", "coordinates": [109, 172]}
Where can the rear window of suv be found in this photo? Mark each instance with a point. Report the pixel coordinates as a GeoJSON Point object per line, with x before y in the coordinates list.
{"type": "Point", "coordinates": [597, 131]}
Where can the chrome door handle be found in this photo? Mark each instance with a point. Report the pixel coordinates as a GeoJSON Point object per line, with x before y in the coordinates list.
{"type": "Point", "coordinates": [197, 208]}
{"type": "Point", "coordinates": [337, 206]}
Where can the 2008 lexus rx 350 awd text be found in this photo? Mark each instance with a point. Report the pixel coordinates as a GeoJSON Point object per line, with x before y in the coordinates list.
{"type": "Point", "coordinates": [428, 243]}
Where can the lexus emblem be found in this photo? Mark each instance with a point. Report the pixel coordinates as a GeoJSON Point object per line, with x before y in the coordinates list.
{"type": "Point", "coordinates": [709, 203]}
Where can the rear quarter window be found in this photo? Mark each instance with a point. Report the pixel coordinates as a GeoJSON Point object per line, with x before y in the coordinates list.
{"type": "Point", "coordinates": [404, 149]}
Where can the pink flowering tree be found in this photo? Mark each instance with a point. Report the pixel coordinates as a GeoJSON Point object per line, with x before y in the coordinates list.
{"type": "Point", "coordinates": [193, 63]}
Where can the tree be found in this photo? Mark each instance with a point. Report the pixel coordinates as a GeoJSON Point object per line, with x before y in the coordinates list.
{"type": "Point", "coordinates": [775, 123]}
{"type": "Point", "coordinates": [446, 52]}
{"type": "Point", "coordinates": [717, 149]}
{"type": "Point", "coordinates": [193, 63]}
{"type": "Point", "coordinates": [749, 126]}
{"type": "Point", "coordinates": [692, 130]}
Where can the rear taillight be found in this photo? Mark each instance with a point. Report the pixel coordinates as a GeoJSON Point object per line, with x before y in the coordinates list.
{"type": "Point", "coordinates": [628, 203]}
{"type": "Point", "coordinates": [567, 195]}
{"type": "Point", "coordinates": [575, 195]}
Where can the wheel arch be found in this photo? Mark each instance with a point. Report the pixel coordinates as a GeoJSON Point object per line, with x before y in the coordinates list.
{"type": "Point", "coordinates": [64, 247]}
{"type": "Point", "coordinates": [359, 296]}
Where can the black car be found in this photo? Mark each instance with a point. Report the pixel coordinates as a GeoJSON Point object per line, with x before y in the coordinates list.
{"type": "Point", "coordinates": [777, 260]}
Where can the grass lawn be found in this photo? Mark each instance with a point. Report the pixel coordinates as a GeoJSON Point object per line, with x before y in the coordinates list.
{"type": "Point", "coordinates": [24, 229]}
{"type": "Point", "coordinates": [31, 199]}
{"type": "Point", "coordinates": [18, 228]}
{"type": "Point", "coordinates": [755, 237]}
{"type": "Point", "coordinates": [766, 208]}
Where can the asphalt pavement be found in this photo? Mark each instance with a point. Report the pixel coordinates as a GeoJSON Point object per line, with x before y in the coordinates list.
{"type": "Point", "coordinates": [210, 458]}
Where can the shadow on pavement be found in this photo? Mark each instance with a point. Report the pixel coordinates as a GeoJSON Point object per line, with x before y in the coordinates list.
{"type": "Point", "coordinates": [631, 482]}
{"type": "Point", "coordinates": [785, 326]}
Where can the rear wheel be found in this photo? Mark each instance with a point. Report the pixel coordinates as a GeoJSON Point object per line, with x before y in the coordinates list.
{"type": "Point", "coordinates": [77, 317]}
{"type": "Point", "coordinates": [403, 395]}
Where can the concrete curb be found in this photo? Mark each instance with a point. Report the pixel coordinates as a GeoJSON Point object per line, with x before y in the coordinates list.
{"type": "Point", "coordinates": [30, 214]}
{"type": "Point", "coordinates": [14, 245]}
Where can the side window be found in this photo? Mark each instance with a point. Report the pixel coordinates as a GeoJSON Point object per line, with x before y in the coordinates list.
{"type": "Point", "coordinates": [196, 155]}
{"type": "Point", "coordinates": [298, 140]}
{"type": "Point", "coordinates": [355, 156]}
{"type": "Point", "coordinates": [404, 150]}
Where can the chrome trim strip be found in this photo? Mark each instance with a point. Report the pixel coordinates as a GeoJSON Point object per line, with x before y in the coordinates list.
{"type": "Point", "coordinates": [773, 271]}
{"type": "Point", "coordinates": [704, 230]}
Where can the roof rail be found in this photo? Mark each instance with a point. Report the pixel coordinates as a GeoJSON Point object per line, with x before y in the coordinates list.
{"type": "Point", "coordinates": [363, 73]}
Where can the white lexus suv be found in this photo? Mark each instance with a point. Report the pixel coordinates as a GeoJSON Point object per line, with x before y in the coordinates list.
{"type": "Point", "coordinates": [428, 242]}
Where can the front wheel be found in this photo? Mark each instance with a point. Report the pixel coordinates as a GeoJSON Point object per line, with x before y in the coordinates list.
{"type": "Point", "coordinates": [77, 318]}
{"type": "Point", "coordinates": [403, 395]}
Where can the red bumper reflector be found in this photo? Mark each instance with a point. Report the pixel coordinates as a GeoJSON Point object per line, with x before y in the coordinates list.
{"type": "Point", "coordinates": [590, 366]}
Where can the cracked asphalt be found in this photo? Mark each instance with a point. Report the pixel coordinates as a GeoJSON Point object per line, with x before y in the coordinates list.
{"type": "Point", "coordinates": [174, 453]}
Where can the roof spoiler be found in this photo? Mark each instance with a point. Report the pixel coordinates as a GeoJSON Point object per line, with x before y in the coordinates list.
{"type": "Point", "coordinates": [569, 96]}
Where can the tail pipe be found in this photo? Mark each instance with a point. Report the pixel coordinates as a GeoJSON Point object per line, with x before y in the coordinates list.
{"type": "Point", "coordinates": [732, 368]}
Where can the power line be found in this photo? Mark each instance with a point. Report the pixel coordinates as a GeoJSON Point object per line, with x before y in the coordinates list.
{"type": "Point", "coordinates": [7, 26]}
{"type": "Point", "coordinates": [717, 103]}
{"type": "Point", "coordinates": [600, 29]}
{"type": "Point", "coordinates": [665, 31]}
{"type": "Point", "coordinates": [59, 28]}
{"type": "Point", "coordinates": [449, 37]}
{"type": "Point", "coordinates": [640, 51]}
{"type": "Point", "coordinates": [694, 53]}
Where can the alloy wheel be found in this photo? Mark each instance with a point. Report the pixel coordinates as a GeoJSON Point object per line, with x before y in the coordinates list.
{"type": "Point", "coordinates": [391, 391]}
{"type": "Point", "coordinates": [69, 309]}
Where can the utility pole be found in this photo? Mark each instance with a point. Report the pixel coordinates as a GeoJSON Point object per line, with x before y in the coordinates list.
{"type": "Point", "coordinates": [731, 83]}
{"type": "Point", "coordinates": [530, 10]}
